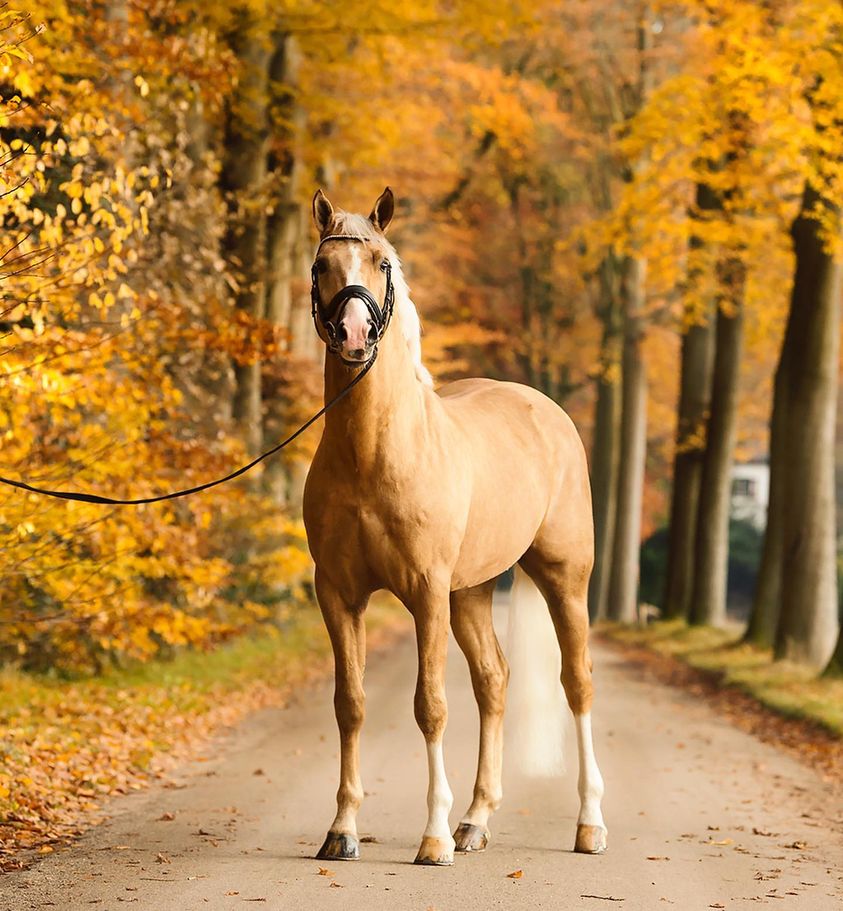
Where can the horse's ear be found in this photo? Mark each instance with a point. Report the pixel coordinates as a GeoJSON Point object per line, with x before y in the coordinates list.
{"type": "Point", "coordinates": [383, 211]}
{"type": "Point", "coordinates": [323, 211]}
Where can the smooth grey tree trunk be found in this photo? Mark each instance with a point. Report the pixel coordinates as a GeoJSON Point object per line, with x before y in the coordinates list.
{"type": "Point", "coordinates": [708, 597]}
{"type": "Point", "coordinates": [808, 623]}
{"type": "Point", "coordinates": [623, 585]}
{"type": "Point", "coordinates": [605, 453]}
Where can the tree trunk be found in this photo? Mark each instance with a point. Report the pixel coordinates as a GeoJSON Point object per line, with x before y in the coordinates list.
{"type": "Point", "coordinates": [282, 231]}
{"type": "Point", "coordinates": [766, 603]}
{"type": "Point", "coordinates": [243, 179]}
{"type": "Point", "coordinates": [835, 666]}
{"type": "Point", "coordinates": [711, 552]}
{"type": "Point", "coordinates": [605, 453]}
{"type": "Point", "coordinates": [623, 586]}
{"type": "Point", "coordinates": [694, 400]}
{"type": "Point", "coordinates": [808, 623]}
{"type": "Point", "coordinates": [695, 383]}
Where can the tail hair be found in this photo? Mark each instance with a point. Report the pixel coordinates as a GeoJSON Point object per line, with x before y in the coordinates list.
{"type": "Point", "coordinates": [537, 714]}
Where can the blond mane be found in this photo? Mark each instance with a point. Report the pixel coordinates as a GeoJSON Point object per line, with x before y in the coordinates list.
{"type": "Point", "coordinates": [405, 309]}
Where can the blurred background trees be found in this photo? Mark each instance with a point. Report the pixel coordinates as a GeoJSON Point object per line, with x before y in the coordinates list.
{"type": "Point", "coordinates": [632, 206]}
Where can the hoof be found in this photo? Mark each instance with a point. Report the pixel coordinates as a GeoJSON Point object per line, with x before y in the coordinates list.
{"type": "Point", "coordinates": [590, 840]}
{"type": "Point", "coordinates": [469, 837]}
{"type": "Point", "coordinates": [339, 847]}
{"type": "Point", "coordinates": [435, 852]}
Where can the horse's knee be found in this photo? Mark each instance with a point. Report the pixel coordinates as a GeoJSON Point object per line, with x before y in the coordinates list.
{"type": "Point", "coordinates": [577, 683]}
{"type": "Point", "coordinates": [350, 707]}
{"type": "Point", "coordinates": [431, 711]}
{"type": "Point", "coordinates": [490, 681]}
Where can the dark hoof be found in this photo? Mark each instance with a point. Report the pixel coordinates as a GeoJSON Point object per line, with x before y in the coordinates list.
{"type": "Point", "coordinates": [435, 852]}
{"type": "Point", "coordinates": [470, 837]}
{"type": "Point", "coordinates": [590, 840]}
{"type": "Point", "coordinates": [339, 847]}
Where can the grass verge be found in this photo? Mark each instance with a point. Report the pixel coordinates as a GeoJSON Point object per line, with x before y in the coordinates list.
{"type": "Point", "coordinates": [789, 689]}
{"type": "Point", "coordinates": [782, 703]}
{"type": "Point", "coordinates": [66, 746]}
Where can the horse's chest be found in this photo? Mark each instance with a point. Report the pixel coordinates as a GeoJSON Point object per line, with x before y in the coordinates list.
{"type": "Point", "coordinates": [381, 536]}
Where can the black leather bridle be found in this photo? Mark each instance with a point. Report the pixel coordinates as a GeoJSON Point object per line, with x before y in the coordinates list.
{"type": "Point", "coordinates": [330, 316]}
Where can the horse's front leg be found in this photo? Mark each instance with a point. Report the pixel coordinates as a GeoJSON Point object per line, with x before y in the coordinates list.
{"type": "Point", "coordinates": [347, 630]}
{"type": "Point", "coordinates": [431, 614]}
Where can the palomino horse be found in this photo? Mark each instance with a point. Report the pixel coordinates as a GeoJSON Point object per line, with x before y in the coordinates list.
{"type": "Point", "coordinates": [432, 495]}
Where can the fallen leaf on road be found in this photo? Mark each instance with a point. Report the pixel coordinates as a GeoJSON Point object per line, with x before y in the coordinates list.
{"type": "Point", "coordinates": [716, 906]}
{"type": "Point", "coordinates": [254, 899]}
{"type": "Point", "coordinates": [336, 886]}
{"type": "Point", "coordinates": [516, 874]}
{"type": "Point", "coordinates": [764, 832]}
{"type": "Point", "coordinates": [232, 892]}
{"type": "Point", "coordinates": [797, 845]}
{"type": "Point", "coordinates": [723, 841]}
{"type": "Point", "coordinates": [658, 857]}
{"type": "Point", "coordinates": [324, 871]}
{"type": "Point", "coordinates": [45, 849]}
{"type": "Point", "coordinates": [368, 840]}
{"type": "Point", "coordinates": [166, 817]}
{"type": "Point", "coordinates": [259, 772]}
{"type": "Point", "coordinates": [161, 858]}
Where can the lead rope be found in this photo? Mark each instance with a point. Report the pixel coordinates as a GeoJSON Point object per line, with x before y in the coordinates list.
{"type": "Point", "coordinates": [110, 501]}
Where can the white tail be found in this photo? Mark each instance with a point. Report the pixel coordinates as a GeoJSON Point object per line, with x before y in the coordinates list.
{"type": "Point", "coordinates": [537, 714]}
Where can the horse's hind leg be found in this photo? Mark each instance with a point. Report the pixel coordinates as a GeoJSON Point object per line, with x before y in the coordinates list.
{"type": "Point", "coordinates": [471, 621]}
{"type": "Point", "coordinates": [348, 639]}
{"type": "Point", "coordinates": [564, 584]}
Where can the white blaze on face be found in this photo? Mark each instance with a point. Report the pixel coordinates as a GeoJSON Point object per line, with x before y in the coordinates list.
{"type": "Point", "coordinates": [355, 320]}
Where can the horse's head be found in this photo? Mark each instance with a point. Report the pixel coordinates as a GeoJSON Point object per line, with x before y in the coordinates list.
{"type": "Point", "coordinates": [352, 290]}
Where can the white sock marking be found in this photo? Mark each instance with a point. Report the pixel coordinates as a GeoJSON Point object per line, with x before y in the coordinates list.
{"type": "Point", "coordinates": [439, 796]}
{"type": "Point", "coordinates": [590, 781]}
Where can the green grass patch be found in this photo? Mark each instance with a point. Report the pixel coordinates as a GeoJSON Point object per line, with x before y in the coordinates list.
{"type": "Point", "coordinates": [787, 688]}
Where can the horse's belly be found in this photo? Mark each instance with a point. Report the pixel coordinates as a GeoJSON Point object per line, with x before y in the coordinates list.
{"type": "Point", "coordinates": [501, 527]}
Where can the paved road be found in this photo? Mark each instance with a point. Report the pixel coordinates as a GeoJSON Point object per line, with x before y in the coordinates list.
{"type": "Point", "coordinates": [700, 816]}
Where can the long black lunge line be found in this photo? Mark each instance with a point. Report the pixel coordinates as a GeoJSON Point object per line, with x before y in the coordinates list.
{"type": "Point", "coordinates": [110, 501]}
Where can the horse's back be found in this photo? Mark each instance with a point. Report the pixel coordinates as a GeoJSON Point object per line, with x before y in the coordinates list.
{"type": "Point", "coordinates": [512, 411]}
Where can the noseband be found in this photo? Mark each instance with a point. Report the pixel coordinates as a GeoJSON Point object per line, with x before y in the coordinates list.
{"type": "Point", "coordinates": [330, 316]}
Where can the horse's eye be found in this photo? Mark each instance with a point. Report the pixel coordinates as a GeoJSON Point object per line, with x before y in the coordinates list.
{"type": "Point", "coordinates": [321, 266]}
{"type": "Point", "coordinates": [384, 265]}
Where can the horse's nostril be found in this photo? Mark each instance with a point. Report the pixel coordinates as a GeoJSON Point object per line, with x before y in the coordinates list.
{"type": "Point", "coordinates": [342, 334]}
{"type": "Point", "coordinates": [373, 334]}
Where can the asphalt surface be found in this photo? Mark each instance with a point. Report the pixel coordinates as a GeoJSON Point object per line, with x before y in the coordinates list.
{"type": "Point", "coordinates": [700, 815]}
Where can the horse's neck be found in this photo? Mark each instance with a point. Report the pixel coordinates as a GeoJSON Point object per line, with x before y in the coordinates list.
{"type": "Point", "coordinates": [380, 420]}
